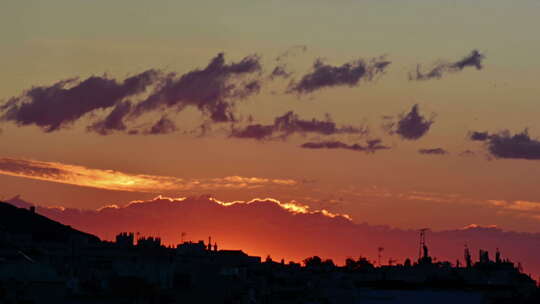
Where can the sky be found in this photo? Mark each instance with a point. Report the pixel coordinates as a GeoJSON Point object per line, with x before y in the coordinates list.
{"type": "Point", "coordinates": [408, 114]}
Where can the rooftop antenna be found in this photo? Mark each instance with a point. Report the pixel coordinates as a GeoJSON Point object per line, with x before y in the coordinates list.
{"type": "Point", "coordinates": [422, 241]}
{"type": "Point", "coordinates": [380, 250]}
{"type": "Point", "coordinates": [182, 235]}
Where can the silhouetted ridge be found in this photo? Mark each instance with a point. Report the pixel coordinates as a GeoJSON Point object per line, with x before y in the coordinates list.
{"type": "Point", "coordinates": [15, 220]}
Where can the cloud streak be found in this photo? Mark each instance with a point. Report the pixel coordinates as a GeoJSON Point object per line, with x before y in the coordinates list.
{"type": "Point", "coordinates": [474, 59]}
{"type": "Point", "coordinates": [349, 74]}
{"type": "Point", "coordinates": [371, 146]}
{"type": "Point", "coordinates": [121, 181]}
{"type": "Point", "coordinates": [290, 123]}
{"type": "Point", "coordinates": [433, 151]}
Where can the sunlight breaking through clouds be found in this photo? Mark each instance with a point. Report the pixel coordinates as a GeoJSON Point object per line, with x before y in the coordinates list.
{"type": "Point", "coordinates": [292, 206]}
{"type": "Point", "coordinates": [120, 181]}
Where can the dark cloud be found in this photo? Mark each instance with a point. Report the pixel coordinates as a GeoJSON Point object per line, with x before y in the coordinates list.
{"type": "Point", "coordinates": [474, 59]}
{"type": "Point", "coordinates": [348, 74]}
{"type": "Point", "coordinates": [371, 146]}
{"type": "Point", "coordinates": [247, 89]}
{"type": "Point", "coordinates": [517, 146]}
{"type": "Point", "coordinates": [479, 136]}
{"type": "Point", "coordinates": [212, 89]}
{"type": "Point", "coordinates": [114, 121]}
{"type": "Point", "coordinates": [410, 126]}
{"type": "Point", "coordinates": [290, 123]}
{"type": "Point", "coordinates": [506, 145]}
{"type": "Point", "coordinates": [280, 71]}
{"type": "Point", "coordinates": [433, 151]}
{"type": "Point", "coordinates": [162, 126]}
{"type": "Point", "coordinates": [256, 131]}
{"type": "Point", "coordinates": [53, 107]}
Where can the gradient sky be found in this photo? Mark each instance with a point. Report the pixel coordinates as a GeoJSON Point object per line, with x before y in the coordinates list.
{"type": "Point", "coordinates": [44, 42]}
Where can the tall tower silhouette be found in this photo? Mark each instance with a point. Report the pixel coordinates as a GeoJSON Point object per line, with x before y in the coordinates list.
{"type": "Point", "coordinates": [423, 245]}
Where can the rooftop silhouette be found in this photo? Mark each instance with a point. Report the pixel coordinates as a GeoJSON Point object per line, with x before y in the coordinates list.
{"type": "Point", "coordinates": [43, 261]}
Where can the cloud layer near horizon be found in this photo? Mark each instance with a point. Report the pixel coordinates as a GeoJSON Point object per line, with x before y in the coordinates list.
{"type": "Point", "coordinates": [121, 181]}
{"type": "Point", "coordinates": [290, 230]}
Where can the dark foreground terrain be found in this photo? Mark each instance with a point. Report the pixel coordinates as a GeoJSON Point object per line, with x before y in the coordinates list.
{"type": "Point", "coordinates": [43, 261]}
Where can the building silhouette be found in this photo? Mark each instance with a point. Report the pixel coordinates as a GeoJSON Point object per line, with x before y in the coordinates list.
{"type": "Point", "coordinates": [42, 261]}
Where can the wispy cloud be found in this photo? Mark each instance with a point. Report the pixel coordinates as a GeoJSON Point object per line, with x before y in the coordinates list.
{"type": "Point", "coordinates": [349, 74]}
{"type": "Point", "coordinates": [121, 181]}
{"type": "Point", "coordinates": [474, 59]}
{"type": "Point", "coordinates": [433, 151]}
{"type": "Point", "coordinates": [517, 206]}
{"type": "Point", "coordinates": [371, 146]}
{"type": "Point", "coordinates": [290, 123]}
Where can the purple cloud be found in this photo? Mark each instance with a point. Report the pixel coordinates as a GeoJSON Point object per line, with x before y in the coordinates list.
{"type": "Point", "coordinates": [474, 59]}
{"type": "Point", "coordinates": [371, 146]}
{"type": "Point", "coordinates": [290, 123]}
{"type": "Point", "coordinates": [433, 151]}
{"type": "Point", "coordinates": [212, 90]}
{"type": "Point", "coordinates": [349, 74]}
{"type": "Point", "coordinates": [410, 126]}
{"type": "Point", "coordinates": [54, 107]}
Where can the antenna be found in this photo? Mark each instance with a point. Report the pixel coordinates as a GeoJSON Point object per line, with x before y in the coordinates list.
{"type": "Point", "coordinates": [467, 256]}
{"type": "Point", "coordinates": [422, 241]}
{"type": "Point", "coordinates": [380, 250]}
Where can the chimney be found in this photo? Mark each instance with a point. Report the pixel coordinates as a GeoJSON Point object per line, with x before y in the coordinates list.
{"type": "Point", "coordinates": [33, 209]}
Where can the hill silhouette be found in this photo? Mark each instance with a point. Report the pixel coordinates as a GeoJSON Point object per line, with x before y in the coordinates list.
{"type": "Point", "coordinates": [15, 220]}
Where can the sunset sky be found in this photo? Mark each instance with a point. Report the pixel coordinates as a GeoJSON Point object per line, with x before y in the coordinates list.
{"type": "Point", "coordinates": [409, 114]}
